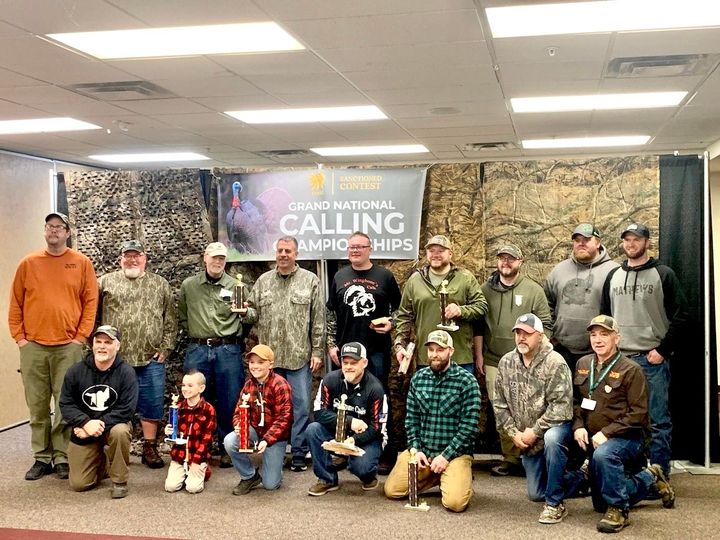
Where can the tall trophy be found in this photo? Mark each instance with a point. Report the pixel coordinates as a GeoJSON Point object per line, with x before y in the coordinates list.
{"type": "Point", "coordinates": [342, 444]}
{"type": "Point", "coordinates": [175, 437]}
{"type": "Point", "coordinates": [244, 443]}
{"type": "Point", "coordinates": [445, 323]}
{"type": "Point", "coordinates": [237, 302]}
{"type": "Point", "coordinates": [413, 492]}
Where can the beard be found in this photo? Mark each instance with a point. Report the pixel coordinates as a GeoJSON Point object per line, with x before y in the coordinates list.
{"type": "Point", "coordinates": [132, 273]}
{"type": "Point", "coordinates": [523, 348]}
{"type": "Point", "coordinates": [439, 364]}
{"type": "Point", "coordinates": [638, 254]}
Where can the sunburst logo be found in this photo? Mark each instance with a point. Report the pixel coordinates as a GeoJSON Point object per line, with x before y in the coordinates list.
{"type": "Point", "coordinates": [317, 183]}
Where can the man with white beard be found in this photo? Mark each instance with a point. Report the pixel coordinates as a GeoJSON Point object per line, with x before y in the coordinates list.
{"type": "Point", "coordinates": [142, 306]}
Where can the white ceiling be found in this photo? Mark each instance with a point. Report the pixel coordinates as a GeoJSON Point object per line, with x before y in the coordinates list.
{"type": "Point", "coordinates": [408, 57]}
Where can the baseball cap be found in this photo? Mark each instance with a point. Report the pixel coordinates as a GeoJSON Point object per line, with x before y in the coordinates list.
{"type": "Point", "coordinates": [353, 350]}
{"type": "Point", "coordinates": [263, 351]}
{"type": "Point", "coordinates": [528, 322]}
{"type": "Point", "coordinates": [108, 330]}
{"type": "Point", "coordinates": [606, 322]}
{"type": "Point", "coordinates": [132, 245]}
{"type": "Point", "coordinates": [440, 337]}
{"type": "Point", "coordinates": [216, 249]}
{"type": "Point", "coordinates": [588, 230]}
{"type": "Point", "coordinates": [637, 229]}
{"type": "Point", "coordinates": [510, 249]}
{"type": "Point", "coordinates": [60, 216]}
{"type": "Point", "coordinates": [439, 240]}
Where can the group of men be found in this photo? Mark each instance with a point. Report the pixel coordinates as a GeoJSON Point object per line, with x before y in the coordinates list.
{"type": "Point", "coordinates": [436, 413]}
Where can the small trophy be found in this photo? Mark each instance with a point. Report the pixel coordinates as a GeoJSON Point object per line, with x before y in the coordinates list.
{"type": "Point", "coordinates": [237, 303]}
{"type": "Point", "coordinates": [342, 444]}
{"type": "Point", "coordinates": [407, 356]}
{"type": "Point", "coordinates": [413, 494]}
{"type": "Point", "coordinates": [175, 437]}
{"type": "Point", "coordinates": [244, 444]}
{"type": "Point", "coordinates": [445, 323]}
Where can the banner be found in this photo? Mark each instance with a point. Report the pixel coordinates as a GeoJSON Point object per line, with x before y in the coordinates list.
{"type": "Point", "coordinates": [321, 208]}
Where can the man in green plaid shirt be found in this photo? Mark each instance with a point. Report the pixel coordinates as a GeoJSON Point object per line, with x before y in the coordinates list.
{"type": "Point", "coordinates": [443, 410]}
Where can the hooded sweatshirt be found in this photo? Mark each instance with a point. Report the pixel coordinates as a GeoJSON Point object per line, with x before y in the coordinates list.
{"type": "Point", "coordinates": [648, 303]}
{"type": "Point", "coordinates": [574, 292]}
{"type": "Point", "coordinates": [505, 305]}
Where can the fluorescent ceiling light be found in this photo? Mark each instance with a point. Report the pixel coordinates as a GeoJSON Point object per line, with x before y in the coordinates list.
{"type": "Point", "coordinates": [149, 158]}
{"type": "Point", "coordinates": [43, 125]}
{"type": "Point", "coordinates": [587, 142]}
{"type": "Point", "coordinates": [319, 114]}
{"type": "Point", "coordinates": [641, 100]}
{"type": "Point", "coordinates": [371, 150]}
{"type": "Point", "coordinates": [606, 16]}
{"type": "Point", "coordinates": [181, 41]}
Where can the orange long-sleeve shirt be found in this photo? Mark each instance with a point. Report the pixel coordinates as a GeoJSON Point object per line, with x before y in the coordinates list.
{"type": "Point", "coordinates": [53, 298]}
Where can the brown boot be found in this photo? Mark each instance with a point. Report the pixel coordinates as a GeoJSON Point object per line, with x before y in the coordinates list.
{"type": "Point", "coordinates": [150, 455]}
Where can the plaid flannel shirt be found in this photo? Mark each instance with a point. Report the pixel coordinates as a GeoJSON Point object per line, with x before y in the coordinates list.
{"type": "Point", "coordinates": [275, 395]}
{"type": "Point", "coordinates": [197, 424]}
{"type": "Point", "coordinates": [443, 412]}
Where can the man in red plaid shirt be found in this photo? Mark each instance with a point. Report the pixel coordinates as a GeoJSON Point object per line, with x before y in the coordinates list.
{"type": "Point", "coordinates": [196, 424]}
{"type": "Point", "coordinates": [269, 397]}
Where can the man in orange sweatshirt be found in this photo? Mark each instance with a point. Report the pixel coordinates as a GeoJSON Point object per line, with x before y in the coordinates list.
{"type": "Point", "coordinates": [52, 311]}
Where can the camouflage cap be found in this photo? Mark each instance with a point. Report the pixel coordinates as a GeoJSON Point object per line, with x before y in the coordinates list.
{"type": "Point", "coordinates": [353, 350]}
{"type": "Point", "coordinates": [108, 330]}
{"type": "Point", "coordinates": [439, 240]}
{"type": "Point", "coordinates": [132, 245]}
{"type": "Point", "coordinates": [263, 352]}
{"type": "Point", "coordinates": [606, 322]}
{"type": "Point", "coordinates": [216, 249]}
{"type": "Point", "coordinates": [440, 337]}
{"type": "Point", "coordinates": [588, 230]}
{"type": "Point", "coordinates": [637, 229]}
{"type": "Point", "coordinates": [60, 216]}
{"type": "Point", "coordinates": [529, 323]}
{"type": "Point", "coordinates": [510, 249]}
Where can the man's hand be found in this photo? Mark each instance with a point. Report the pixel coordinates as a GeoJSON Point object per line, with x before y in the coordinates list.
{"type": "Point", "coordinates": [262, 445]}
{"type": "Point", "coordinates": [452, 311]}
{"type": "Point", "coordinates": [518, 441]}
{"type": "Point", "coordinates": [479, 363]}
{"type": "Point", "coordinates": [333, 352]}
{"type": "Point", "coordinates": [581, 437]}
{"type": "Point", "coordinates": [422, 460]}
{"type": "Point", "coordinates": [159, 357]}
{"type": "Point", "coordinates": [357, 425]}
{"type": "Point", "coordinates": [80, 433]}
{"type": "Point", "coordinates": [383, 328]}
{"type": "Point", "coordinates": [22, 342]}
{"type": "Point", "coordinates": [655, 357]}
{"type": "Point", "coordinates": [316, 364]}
{"type": "Point", "coordinates": [94, 428]}
{"type": "Point", "coordinates": [439, 464]}
{"type": "Point", "coordinates": [598, 439]}
{"type": "Point", "coordinates": [528, 437]}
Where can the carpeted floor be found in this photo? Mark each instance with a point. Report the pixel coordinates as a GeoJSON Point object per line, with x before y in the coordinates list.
{"type": "Point", "coordinates": [500, 508]}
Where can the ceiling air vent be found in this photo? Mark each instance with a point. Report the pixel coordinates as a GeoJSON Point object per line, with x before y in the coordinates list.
{"type": "Point", "coordinates": [284, 153]}
{"type": "Point", "coordinates": [488, 146]}
{"type": "Point", "coordinates": [121, 91]}
{"type": "Point", "coordinates": [676, 65]}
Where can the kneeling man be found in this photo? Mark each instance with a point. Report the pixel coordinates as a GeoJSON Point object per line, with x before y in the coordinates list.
{"type": "Point", "coordinates": [443, 411]}
{"type": "Point", "coordinates": [98, 400]}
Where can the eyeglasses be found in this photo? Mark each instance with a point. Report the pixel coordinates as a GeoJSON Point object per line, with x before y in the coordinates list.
{"type": "Point", "coordinates": [507, 258]}
{"type": "Point", "coordinates": [55, 227]}
{"type": "Point", "coordinates": [357, 248]}
{"type": "Point", "coordinates": [134, 256]}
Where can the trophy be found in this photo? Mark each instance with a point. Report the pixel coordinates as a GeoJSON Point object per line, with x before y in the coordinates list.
{"type": "Point", "coordinates": [407, 356]}
{"type": "Point", "coordinates": [237, 303]}
{"type": "Point", "coordinates": [445, 323]}
{"type": "Point", "coordinates": [175, 437]}
{"type": "Point", "coordinates": [413, 495]}
{"type": "Point", "coordinates": [340, 427]}
{"type": "Point", "coordinates": [342, 444]}
{"type": "Point", "coordinates": [245, 446]}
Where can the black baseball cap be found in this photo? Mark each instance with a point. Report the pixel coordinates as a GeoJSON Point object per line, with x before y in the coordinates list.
{"type": "Point", "coordinates": [638, 229]}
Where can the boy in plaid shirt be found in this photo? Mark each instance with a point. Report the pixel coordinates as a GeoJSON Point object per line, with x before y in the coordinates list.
{"type": "Point", "coordinates": [271, 416]}
{"type": "Point", "coordinates": [196, 423]}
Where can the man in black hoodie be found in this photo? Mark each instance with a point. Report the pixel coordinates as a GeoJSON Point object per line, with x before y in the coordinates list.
{"type": "Point", "coordinates": [646, 299]}
{"type": "Point", "coordinates": [98, 399]}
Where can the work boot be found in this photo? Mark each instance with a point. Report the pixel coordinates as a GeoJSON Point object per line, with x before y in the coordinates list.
{"type": "Point", "coordinates": [38, 470]}
{"type": "Point", "coordinates": [614, 520]}
{"type": "Point", "coordinates": [119, 490]}
{"type": "Point", "coordinates": [150, 455]}
{"type": "Point", "coordinates": [662, 484]}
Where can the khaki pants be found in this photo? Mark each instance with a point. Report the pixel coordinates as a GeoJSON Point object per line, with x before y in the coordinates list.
{"type": "Point", "coordinates": [510, 452]}
{"type": "Point", "coordinates": [455, 482]}
{"type": "Point", "coordinates": [90, 462]}
{"type": "Point", "coordinates": [194, 478]}
{"type": "Point", "coordinates": [43, 370]}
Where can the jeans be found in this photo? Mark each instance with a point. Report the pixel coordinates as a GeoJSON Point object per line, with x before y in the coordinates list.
{"type": "Point", "coordinates": [470, 368]}
{"type": "Point", "coordinates": [547, 478]}
{"type": "Point", "coordinates": [612, 483]}
{"type": "Point", "coordinates": [151, 383]}
{"type": "Point", "coordinates": [272, 460]}
{"type": "Point", "coordinates": [658, 384]}
{"type": "Point", "coordinates": [364, 467]}
{"type": "Point", "coordinates": [224, 378]}
{"type": "Point", "coordinates": [379, 365]}
{"type": "Point", "coordinates": [299, 380]}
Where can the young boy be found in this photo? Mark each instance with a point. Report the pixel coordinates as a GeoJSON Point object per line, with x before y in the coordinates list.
{"type": "Point", "coordinates": [269, 397]}
{"type": "Point", "coordinates": [196, 422]}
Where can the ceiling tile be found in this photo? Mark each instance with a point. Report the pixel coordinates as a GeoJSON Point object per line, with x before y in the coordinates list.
{"type": "Point", "coordinates": [186, 12]}
{"type": "Point", "coordinates": [163, 106]}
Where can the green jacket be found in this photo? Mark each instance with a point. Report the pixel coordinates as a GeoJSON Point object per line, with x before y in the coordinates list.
{"type": "Point", "coordinates": [505, 305]}
{"type": "Point", "coordinates": [420, 310]}
{"type": "Point", "coordinates": [204, 307]}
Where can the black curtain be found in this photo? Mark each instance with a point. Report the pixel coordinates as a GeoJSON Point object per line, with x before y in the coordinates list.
{"type": "Point", "coordinates": [681, 248]}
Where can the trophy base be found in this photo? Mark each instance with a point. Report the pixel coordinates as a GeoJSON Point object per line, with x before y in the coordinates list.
{"type": "Point", "coordinates": [246, 450]}
{"type": "Point", "coordinates": [343, 448]}
{"type": "Point", "coordinates": [422, 507]}
{"type": "Point", "coordinates": [235, 309]}
{"type": "Point", "coordinates": [448, 327]}
{"type": "Point", "coordinates": [176, 441]}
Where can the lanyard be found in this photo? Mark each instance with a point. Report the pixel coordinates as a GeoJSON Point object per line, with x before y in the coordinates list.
{"type": "Point", "coordinates": [593, 383]}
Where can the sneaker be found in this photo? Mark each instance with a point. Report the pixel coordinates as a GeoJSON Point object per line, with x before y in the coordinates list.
{"type": "Point", "coordinates": [38, 470]}
{"type": "Point", "coordinates": [507, 469]}
{"type": "Point", "coordinates": [372, 484]}
{"type": "Point", "coordinates": [247, 485]}
{"type": "Point", "coordinates": [225, 461]}
{"type": "Point", "coordinates": [613, 521]}
{"type": "Point", "coordinates": [298, 465]}
{"type": "Point", "coordinates": [321, 488]}
{"type": "Point", "coordinates": [553, 514]}
{"type": "Point", "coordinates": [118, 491]}
{"type": "Point", "coordinates": [339, 462]}
{"type": "Point", "coordinates": [62, 470]}
{"type": "Point", "coordinates": [662, 484]}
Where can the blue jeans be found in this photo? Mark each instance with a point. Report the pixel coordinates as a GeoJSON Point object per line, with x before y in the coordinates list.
{"type": "Point", "coordinates": [364, 467]}
{"type": "Point", "coordinates": [151, 384]}
{"type": "Point", "coordinates": [547, 479]}
{"type": "Point", "coordinates": [612, 483]}
{"type": "Point", "coordinates": [299, 380]}
{"type": "Point", "coordinates": [658, 385]}
{"type": "Point", "coordinates": [224, 377]}
{"type": "Point", "coordinates": [379, 365]}
{"type": "Point", "coordinates": [272, 460]}
{"type": "Point", "coordinates": [470, 368]}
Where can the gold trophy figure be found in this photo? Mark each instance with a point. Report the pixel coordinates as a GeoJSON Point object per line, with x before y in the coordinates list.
{"type": "Point", "coordinates": [445, 323]}
{"type": "Point", "coordinates": [413, 493]}
{"type": "Point", "coordinates": [342, 444]}
{"type": "Point", "coordinates": [237, 303]}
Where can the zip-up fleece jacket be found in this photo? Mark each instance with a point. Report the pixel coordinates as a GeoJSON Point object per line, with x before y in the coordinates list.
{"type": "Point", "coordinates": [90, 394]}
{"type": "Point", "coordinates": [505, 305]}
{"type": "Point", "coordinates": [420, 308]}
{"type": "Point", "coordinates": [648, 303]}
{"type": "Point", "coordinates": [574, 292]}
